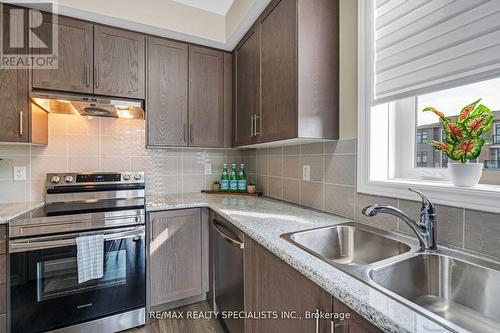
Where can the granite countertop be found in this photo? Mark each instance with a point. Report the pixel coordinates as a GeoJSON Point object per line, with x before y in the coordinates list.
{"type": "Point", "coordinates": [12, 210]}
{"type": "Point", "coordinates": [265, 220]}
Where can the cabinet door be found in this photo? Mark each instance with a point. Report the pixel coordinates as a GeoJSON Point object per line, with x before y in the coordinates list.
{"type": "Point", "coordinates": [14, 95]}
{"type": "Point", "coordinates": [167, 97]}
{"type": "Point", "coordinates": [356, 323]}
{"type": "Point", "coordinates": [119, 62]}
{"type": "Point", "coordinates": [206, 110]}
{"type": "Point", "coordinates": [175, 255]}
{"type": "Point", "coordinates": [247, 86]}
{"type": "Point", "coordinates": [75, 49]}
{"type": "Point", "coordinates": [273, 285]}
{"type": "Point", "coordinates": [279, 73]}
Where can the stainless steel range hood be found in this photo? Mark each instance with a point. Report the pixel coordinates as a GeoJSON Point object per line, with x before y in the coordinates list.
{"type": "Point", "coordinates": [88, 105]}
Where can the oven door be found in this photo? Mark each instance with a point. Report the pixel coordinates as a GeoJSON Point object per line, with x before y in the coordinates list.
{"type": "Point", "coordinates": [46, 295]}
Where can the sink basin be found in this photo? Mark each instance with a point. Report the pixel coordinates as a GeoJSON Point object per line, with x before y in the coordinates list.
{"type": "Point", "coordinates": [347, 244]}
{"type": "Point", "coordinates": [460, 292]}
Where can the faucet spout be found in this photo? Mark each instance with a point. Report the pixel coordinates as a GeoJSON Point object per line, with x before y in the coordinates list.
{"type": "Point", "coordinates": [425, 229]}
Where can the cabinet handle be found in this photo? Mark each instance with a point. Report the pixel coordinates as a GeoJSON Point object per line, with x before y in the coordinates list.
{"type": "Point", "coordinates": [87, 75]}
{"type": "Point", "coordinates": [151, 237]}
{"type": "Point", "coordinates": [317, 320]}
{"type": "Point", "coordinates": [21, 125]}
{"type": "Point", "coordinates": [191, 130]}
{"type": "Point", "coordinates": [97, 76]}
{"type": "Point", "coordinates": [334, 326]}
{"type": "Point", "coordinates": [184, 132]}
{"type": "Point", "coordinates": [255, 126]}
{"type": "Point", "coordinates": [251, 126]}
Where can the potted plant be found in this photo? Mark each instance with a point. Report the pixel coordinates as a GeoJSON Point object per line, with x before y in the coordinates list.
{"type": "Point", "coordinates": [464, 141]}
{"type": "Point", "coordinates": [251, 188]}
{"type": "Point", "coordinates": [216, 186]}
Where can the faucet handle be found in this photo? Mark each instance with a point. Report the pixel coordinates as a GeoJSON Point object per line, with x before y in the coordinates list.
{"type": "Point", "coordinates": [426, 203]}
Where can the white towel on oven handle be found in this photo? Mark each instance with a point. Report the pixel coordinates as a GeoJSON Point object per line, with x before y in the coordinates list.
{"type": "Point", "coordinates": [90, 256]}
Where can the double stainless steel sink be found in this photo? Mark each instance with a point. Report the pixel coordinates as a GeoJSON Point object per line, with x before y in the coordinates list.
{"type": "Point", "coordinates": [455, 289]}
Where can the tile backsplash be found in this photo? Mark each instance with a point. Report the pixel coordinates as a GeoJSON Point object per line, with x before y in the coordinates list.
{"type": "Point", "coordinates": [78, 144]}
{"type": "Point", "coordinates": [332, 188]}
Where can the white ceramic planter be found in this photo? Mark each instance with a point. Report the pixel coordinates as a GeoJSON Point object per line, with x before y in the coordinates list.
{"type": "Point", "coordinates": [465, 174]}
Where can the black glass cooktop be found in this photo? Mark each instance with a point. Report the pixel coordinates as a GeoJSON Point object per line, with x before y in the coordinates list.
{"type": "Point", "coordinates": [85, 207]}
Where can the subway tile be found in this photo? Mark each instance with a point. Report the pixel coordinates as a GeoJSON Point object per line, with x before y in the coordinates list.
{"type": "Point", "coordinates": [276, 187]}
{"type": "Point", "coordinates": [84, 126]}
{"type": "Point", "coordinates": [450, 221]}
{"type": "Point", "coordinates": [41, 165]}
{"type": "Point", "coordinates": [340, 169]}
{"type": "Point", "coordinates": [58, 123]}
{"type": "Point", "coordinates": [262, 165]}
{"type": "Point", "coordinates": [275, 166]}
{"type": "Point", "coordinates": [340, 200]}
{"type": "Point", "coordinates": [250, 152]}
{"type": "Point", "coordinates": [116, 163]}
{"type": "Point", "coordinates": [84, 163]}
{"type": "Point", "coordinates": [311, 194]}
{"type": "Point", "coordinates": [292, 167]}
{"type": "Point", "coordinates": [382, 220]}
{"type": "Point", "coordinates": [275, 151]}
{"type": "Point", "coordinates": [193, 165]}
{"type": "Point", "coordinates": [38, 190]}
{"type": "Point", "coordinates": [262, 152]}
{"type": "Point", "coordinates": [482, 232]}
{"type": "Point", "coordinates": [12, 191]}
{"type": "Point", "coordinates": [158, 165]}
{"type": "Point", "coordinates": [315, 163]}
{"type": "Point", "coordinates": [58, 145]}
{"type": "Point", "coordinates": [262, 184]}
{"type": "Point", "coordinates": [84, 145]}
{"type": "Point", "coordinates": [251, 164]}
{"type": "Point", "coordinates": [291, 150]}
{"type": "Point", "coordinates": [312, 149]}
{"type": "Point", "coordinates": [340, 147]}
{"type": "Point", "coordinates": [193, 183]}
{"type": "Point", "coordinates": [163, 184]}
{"type": "Point", "coordinates": [7, 166]}
{"type": "Point", "coordinates": [291, 190]}
{"type": "Point", "coordinates": [14, 150]}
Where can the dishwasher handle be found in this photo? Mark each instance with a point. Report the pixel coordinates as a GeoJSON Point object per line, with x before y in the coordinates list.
{"type": "Point", "coordinates": [229, 239]}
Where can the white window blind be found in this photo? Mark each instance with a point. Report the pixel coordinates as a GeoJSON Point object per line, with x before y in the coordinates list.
{"type": "Point", "coordinates": [428, 45]}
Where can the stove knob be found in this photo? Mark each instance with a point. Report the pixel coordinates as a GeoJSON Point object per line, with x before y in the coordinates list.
{"type": "Point", "coordinates": [138, 176]}
{"type": "Point", "coordinates": [55, 179]}
{"type": "Point", "coordinates": [126, 177]}
{"type": "Point", "coordinates": [68, 179]}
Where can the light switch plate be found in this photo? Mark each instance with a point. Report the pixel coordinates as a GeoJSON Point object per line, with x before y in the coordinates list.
{"type": "Point", "coordinates": [19, 173]}
{"type": "Point", "coordinates": [208, 169]}
{"type": "Point", "coordinates": [306, 172]}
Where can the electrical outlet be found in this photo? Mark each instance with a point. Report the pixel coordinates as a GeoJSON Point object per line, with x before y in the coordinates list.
{"type": "Point", "coordinates": [19, 173]}
{"type": "Point", "coordinates": [208, 169]}
{"type": "Point", "coordinates": [306, 172]}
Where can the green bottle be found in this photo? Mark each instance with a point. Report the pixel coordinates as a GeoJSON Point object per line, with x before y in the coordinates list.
{"type": "Point", "coordinates": [224, 179]}
{"type": "Point", "coordinates": [242, 179]}
{"type": "Point", "coordinates": [233, 180]}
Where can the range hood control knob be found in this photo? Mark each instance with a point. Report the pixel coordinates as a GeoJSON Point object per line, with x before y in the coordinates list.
{"type": "Point", "coordinates": [55, 179]}
{"type": "Point", "coordinates": [138, 176]}
{"type": "Point", "coordinates": [126, 177]}
{"type": "Point", "coordinates": [68, 179]}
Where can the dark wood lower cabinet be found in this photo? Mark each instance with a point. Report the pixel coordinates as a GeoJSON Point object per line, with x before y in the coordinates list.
{"type": "Point", "coordinates": [273, 285]}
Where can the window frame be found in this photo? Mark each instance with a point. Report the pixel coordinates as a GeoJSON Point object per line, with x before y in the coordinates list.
{"type": "Point", "coordinates": [482, 197]}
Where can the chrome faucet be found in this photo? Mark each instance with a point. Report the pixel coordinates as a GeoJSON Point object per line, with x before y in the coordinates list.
{"type": "Point", "coordinates": [425, 229]}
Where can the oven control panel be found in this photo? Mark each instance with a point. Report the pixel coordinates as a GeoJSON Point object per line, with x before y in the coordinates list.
{"type": "Point", "coordinates": [62, 179]}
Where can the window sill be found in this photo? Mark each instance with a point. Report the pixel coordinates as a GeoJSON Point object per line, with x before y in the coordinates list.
{"type": "Point", "coordinates": [482, 197]}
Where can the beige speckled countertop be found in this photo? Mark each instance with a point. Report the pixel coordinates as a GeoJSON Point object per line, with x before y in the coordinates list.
{"type": "Point", "coordinates": [265, 220]}
{"type": "Point", "coordinates": [12, 210]}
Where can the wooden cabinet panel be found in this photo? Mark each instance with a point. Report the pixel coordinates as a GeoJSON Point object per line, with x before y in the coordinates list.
{"type": "Point", "coordinates": [206, 110]}
{"type": "Point", "coordinates": [167, 97]}
{"type": "Point", "coordinates": [119, 61]}
{"type": "Point", "coordinates": [75, 57]}
{"type": "Point", "coordinates": [14, 99]}
{"type": "Point", "coordinates": [273, 285]}
{"type": "Point", "coordinates": [228, 99]}
{"type": "Point", "coordinates": [175, 255]}
{"type": "Point", "coordinates": [247, 83]}
{"type": "Point", "coordinates": [356, 323]}
{"type": "Point", "coordinates": [279, 73]}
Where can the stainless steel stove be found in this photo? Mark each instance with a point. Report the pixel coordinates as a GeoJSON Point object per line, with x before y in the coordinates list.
{"type": "Point", "coordinates": [45, 293]}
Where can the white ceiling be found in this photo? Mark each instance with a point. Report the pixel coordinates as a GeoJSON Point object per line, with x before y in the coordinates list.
{"type": "Point", "coordinates": [215, 6]}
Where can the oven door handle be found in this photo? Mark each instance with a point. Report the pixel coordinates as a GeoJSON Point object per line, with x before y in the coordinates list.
{"type": "Point", "coordinates": [70, 240]}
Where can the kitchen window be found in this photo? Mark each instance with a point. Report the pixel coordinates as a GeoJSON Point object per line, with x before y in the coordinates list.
{"type": "Point", "coordinates": [404, 68]}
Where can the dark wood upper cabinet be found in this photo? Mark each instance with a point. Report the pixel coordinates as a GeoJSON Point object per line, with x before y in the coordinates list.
{"type": "Point", "coordinates": [75, 57]}
{"type": "Point", "coordinates": [119, 62]}
{"type": "Point", "coordinates": [206, 109]}
{"type": "Point", "coordinates": [20, 122]}
{"type": "Point", "coordinates": [279, 73]}
{"type": "Point", "coordinates": [167, 96]}
{"type": "Point", "coordinates": [296, 44]}
{"type": "Point", "coordinates": [247, 83]}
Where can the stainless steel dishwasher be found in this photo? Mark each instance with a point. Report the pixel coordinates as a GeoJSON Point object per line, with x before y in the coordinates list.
{"type": "Point", "coordinates": [227, 270]}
